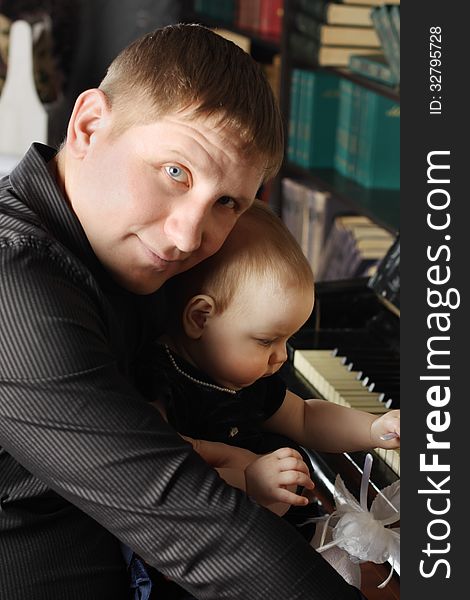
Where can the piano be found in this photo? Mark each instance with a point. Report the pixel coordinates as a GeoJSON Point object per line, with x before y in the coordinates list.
{"type": "Point", "coordinates": [348, 352]}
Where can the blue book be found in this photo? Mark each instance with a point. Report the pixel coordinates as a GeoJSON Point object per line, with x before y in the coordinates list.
{"type": "Point", "coordinates": [354, 131]}
{"type": "Point", "coordinates": [293, 115]}
{"type": "Point", "coordinates": [378, 159]}
{"type": "Point", "coordinates": [320, 104]}
{"type": "Point", "coordinates": [374, 67]}
{"type": "Point", "coordinates": [341, 157]}
{"type": "Point", "coordinates": [381, 19]}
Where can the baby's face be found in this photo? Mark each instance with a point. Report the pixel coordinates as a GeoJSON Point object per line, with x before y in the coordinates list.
{"type": "Point", "coordinates": [248, 340]}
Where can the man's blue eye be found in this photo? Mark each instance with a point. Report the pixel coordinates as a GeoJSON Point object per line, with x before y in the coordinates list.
{"type": "Point", "coordinates": [176, 173]}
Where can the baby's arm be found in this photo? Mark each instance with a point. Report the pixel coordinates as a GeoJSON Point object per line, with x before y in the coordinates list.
{"type": "Point", "coordinates": [222, 456]}
{"type": "Point", "coordinates": [270, 479]}
{"type": "Point", "coordinates": [329, 427]}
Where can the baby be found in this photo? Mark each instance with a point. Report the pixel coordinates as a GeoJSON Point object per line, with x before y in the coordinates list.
{"type": "Point", "coordinates": [231, 317]}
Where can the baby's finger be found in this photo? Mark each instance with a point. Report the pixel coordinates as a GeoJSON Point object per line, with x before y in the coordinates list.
{"type": "Point", "coordinates": [293, 464]}
{"type": "Point", "coordinates": [286, 453]}
{"type": "Point", "coordinates": [295, 478]}
{"type": "Point", "coordinates": [292, 498]}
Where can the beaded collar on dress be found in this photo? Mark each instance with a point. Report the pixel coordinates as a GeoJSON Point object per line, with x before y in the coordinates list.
{"type": "Point", "coordinates": [206, 384]}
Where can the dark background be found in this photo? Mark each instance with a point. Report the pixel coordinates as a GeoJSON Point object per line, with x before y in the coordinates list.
{"type": "Point", "coordinates": [420, 134]}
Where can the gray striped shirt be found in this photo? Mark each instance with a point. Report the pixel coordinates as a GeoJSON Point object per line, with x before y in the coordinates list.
{"type": "Point", "coordinates": [84, 460]}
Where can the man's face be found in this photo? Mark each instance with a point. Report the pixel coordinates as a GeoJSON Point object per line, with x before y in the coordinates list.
{"type": "Point", "coordinates": [160, 198]}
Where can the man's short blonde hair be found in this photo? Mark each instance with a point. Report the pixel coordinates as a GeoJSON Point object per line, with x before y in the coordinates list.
{"type": "Point", "coordinates": [260, 248]}
{"type": "Point", "coordinates": [188, 67]}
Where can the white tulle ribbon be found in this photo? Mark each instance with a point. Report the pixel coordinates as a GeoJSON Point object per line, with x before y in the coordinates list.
{"type": "Point", "coordinates": [364, 534]}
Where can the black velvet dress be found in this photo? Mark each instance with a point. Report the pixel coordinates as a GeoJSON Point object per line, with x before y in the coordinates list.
{"type": "Point", "coordinates": [197, 407]}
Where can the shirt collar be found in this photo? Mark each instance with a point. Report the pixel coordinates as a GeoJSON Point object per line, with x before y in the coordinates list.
{"type": "Point", "coordinates": [35, 185]}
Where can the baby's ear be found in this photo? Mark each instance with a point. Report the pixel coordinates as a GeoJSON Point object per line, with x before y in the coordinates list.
{"type": "Point", "coordinates": [195, 315]}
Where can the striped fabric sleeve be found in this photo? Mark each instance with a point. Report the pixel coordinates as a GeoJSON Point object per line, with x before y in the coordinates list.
{"type": "Point", "coordinates": [69, 416]}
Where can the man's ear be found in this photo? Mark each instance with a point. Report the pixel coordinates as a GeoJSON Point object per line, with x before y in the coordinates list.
{"type": "Point", "coordinates": [198, 310]}
{"type": "Point", "coordinates": [91, 111]}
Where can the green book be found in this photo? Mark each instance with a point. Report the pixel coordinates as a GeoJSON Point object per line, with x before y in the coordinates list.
{"type": "Point", "coordinates": [293, 115]}
{"type": "Point", "coordinates": [341, 158]}
{"type": "Point", "coordinates": [378, 161]}
{"type": "Point", "coordinates": [354, 128]}
{"type": "Point", "coordinates": [302, 120]}
{"type": "Point", "coordinates": [373, 67]}
{"type": "Point", "coordinates": [321, 118]}
{"type": "Point", "coordinates": [381, 19]}
{"type": "Point", "coordinates": [394, 10]}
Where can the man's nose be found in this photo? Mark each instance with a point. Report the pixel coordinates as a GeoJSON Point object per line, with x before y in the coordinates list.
{"type": "Point", "coordinates": [186, 225]}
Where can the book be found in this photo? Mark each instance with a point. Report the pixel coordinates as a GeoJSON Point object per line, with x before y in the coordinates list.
{"type": "Point", "coordinates": [372, 66]}
{"type": "Point", "coordinates": [304, 214]}
{"type": "Point", "coordinates": [336, 35]}
{"type": "Point", "coordinates": [271, 13]}
{"type": "Point", "coordinates": [354, 131]}
{"type": "Point", "coordinates": [294, 210]}
{"type": "Point", "coordinates": [381, 19]}
{"type": "Point", "coordinates": [243, 15]}
{"type": "Point", "coordinates": [219, 11]}
{"type": "Point", "coordinates": [341, 157]}
{"type": "Point", "coordinates": [354, 247]}
{"type": "Point", "coordinates": [395, 19]}
{"type": "Point", "coordinates": [316, 208]}
{"type": "Point", "coordinates": [337, 14]}
{"type": "Point", "coordinates": [378, 160]}
{"type": "Point", "coordinates": [317, 119]}
{"type": "Point", "coordinates": [294, 102]}
{"type": "Point", "coordinates": [368, 2]}
{"type": "Point", "coordinates": [315, 54]}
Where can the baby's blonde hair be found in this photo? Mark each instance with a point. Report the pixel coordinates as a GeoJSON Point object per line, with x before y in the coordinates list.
{"type": "Point", "coordinates": [259, 247]}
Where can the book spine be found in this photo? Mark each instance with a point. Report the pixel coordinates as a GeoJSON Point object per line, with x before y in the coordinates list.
{"type": "Point", "coordinates": [316, 206]}
{"type": "Point", "coordinates": [315, 8]}
{"type": "Point", "coordinates": [354, 130]}
{"type": "Point", "coordinates": [308, 25]}
{"type": "Point", "coordinates": [276, 18]}
{"type": "Point", "coordinates": [303, 48]}
{"type": "Point", "coordinates": [293, 207]}
{"type": "Point", "coordinates": [243, 14]}
{"type": "Point", "coordinates": [371, 69]}
{"type": "Point", "coordinates": [293, 116]}
{"type": "Point", "coordinates": [379, 143]}
{"type": "Point", "coordinates": [391, 48]}
{"type": "Point", "coordinates": [395, 18]}
{"type": "Point", "coordinates": [302, 131]}
{"type": "Point", "coordinates": [322, 118]}
{"type": "Point", "coordinates": [264, 17]}
{"type": "Point", "coordinates": [341, 158]}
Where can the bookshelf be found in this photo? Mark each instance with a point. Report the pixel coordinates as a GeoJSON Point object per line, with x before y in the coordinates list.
{"type": "Point", "coordinates": [381, 205]}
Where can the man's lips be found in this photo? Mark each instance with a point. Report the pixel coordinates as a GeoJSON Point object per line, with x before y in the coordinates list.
{"type": "Point", "coordinates": [159, 260]}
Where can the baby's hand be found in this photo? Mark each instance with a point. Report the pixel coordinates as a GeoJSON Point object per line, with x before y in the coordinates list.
{"type": "Point", "coordinates": [385, 431]}
{"type": "Point", "coordinates": [269, 477]}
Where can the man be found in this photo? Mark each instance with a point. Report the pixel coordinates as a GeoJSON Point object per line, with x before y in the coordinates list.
{"type": "Point", "coordinates": [158, 164]}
